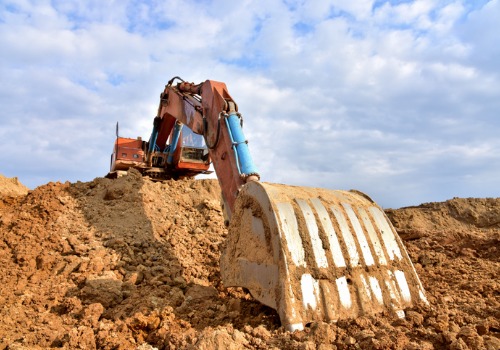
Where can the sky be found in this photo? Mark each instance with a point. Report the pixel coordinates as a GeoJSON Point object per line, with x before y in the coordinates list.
{"type": "Point", "coordinates": [398, 99]}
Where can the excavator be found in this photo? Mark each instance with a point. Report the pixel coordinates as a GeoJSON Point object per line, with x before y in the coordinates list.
{"type": "Point", "coordinates": [311, 254]}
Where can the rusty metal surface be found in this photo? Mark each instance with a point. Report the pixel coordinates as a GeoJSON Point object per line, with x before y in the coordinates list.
{"type": "Point", "coordinates": [316, 254]}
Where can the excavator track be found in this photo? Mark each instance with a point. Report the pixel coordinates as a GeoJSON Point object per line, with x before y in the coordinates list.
{"type": "Point", "coordinates": [314, 254]}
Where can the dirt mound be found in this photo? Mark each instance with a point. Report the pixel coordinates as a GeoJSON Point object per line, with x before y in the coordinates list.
{"type": "Point", "coordinates": [457, 214]}
{"type": "Point", "coordinates": [11, 187]}
{"type": "Point", "coordinates": [134, 264]}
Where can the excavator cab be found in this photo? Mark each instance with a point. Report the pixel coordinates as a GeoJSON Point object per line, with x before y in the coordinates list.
{"type": "Point", "coordinates": [193, 148]}
{"type": "Point", "coordinates": [191, 156]}
{"type": "Point", "coordinates": [185, 154]}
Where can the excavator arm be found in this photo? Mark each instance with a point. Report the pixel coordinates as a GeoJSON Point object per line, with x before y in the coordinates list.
{"type": "Point", "coordinates": [312, 254]}
{"type": "Point", "coordinates": [208, 109]}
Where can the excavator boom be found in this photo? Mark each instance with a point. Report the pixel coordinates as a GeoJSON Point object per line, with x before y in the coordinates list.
{"type": "Point", "coordinates": [312, 254]}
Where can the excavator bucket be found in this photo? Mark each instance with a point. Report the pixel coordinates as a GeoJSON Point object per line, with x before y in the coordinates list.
{"type": "Point", "coordinates": [314, 254]}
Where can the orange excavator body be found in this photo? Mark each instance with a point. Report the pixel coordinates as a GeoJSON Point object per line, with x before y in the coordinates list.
{"type": "Point", "coordinates": [127, 153]}
{"type": "Point", "coordinates": [187, 160]}
{"type": "Point", "coordinates": [312, 254]}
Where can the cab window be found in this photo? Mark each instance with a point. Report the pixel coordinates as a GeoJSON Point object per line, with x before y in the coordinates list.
{"type": "Point", "coordinates": [190, 139]}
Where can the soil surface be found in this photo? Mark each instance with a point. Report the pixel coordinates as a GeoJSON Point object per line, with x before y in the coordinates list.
{"type": "Point", "coordinates": [134, 264]}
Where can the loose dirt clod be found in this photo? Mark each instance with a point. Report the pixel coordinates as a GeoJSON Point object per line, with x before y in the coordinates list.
{"type": "Point", "coordinates": [134, 264]}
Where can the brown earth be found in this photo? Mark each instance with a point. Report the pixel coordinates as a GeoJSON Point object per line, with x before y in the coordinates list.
{"type": "Point", "coordinates": [134, 264]}
{"type": "Point", "coordinates": [11, 187]}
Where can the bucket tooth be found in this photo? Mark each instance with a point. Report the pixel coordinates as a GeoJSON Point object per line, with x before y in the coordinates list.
{"type": "Point", "coordinates": [314, 254]}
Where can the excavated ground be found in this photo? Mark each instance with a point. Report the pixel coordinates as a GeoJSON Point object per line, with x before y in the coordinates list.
{"type": "Point", "coordinates": [134, 264]}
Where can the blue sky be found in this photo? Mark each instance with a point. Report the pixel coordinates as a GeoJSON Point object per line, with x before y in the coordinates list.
{"type": "Point", "coordinates": [399, 99]}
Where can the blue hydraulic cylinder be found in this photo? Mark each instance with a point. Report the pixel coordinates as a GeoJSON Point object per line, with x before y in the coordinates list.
{"type": "Point", "coordinates": [152, 139]}
{"type": "Point", "coordinates": [240, 145]}
{"type": "Point", "coordinates": [175, 139]}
